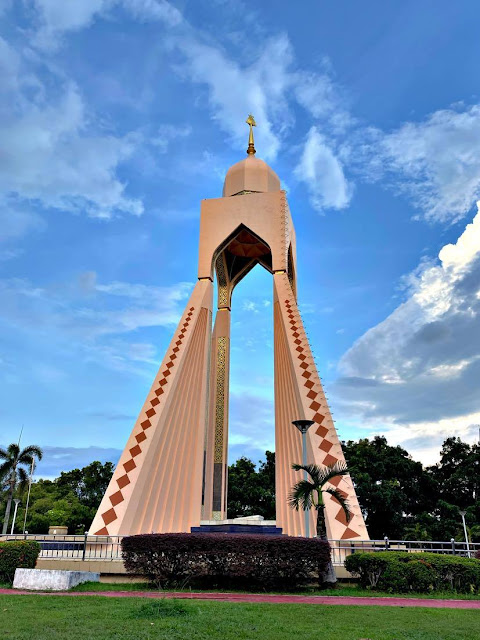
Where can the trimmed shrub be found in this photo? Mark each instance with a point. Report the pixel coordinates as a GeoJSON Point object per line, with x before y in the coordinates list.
{"type": "Point", "coordinates": [400, 572]}
{"type": "Point", "coordinates": [223, 560]}
{"type": "Point", "coordinates": [17, 554]}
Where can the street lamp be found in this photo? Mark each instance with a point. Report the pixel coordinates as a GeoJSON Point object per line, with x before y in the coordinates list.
{"type": "Point", "coordinates": [303, 426]}
{"type": "Point", "coordinates": [462, 513]}
{"type": "Point", "coordinates": [17, 502]}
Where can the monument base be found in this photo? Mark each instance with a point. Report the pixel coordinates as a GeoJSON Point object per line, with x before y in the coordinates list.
{"type": "Point", "coordinates": [51, 579]}
{"type": "Point", "coordinates": [247, 524]}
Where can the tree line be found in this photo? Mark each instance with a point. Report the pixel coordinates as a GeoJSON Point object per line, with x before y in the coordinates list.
{"type": "Point", "coordinates": [399, 497]}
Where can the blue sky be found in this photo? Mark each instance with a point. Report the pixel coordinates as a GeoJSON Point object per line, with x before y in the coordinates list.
{"type": "Point", "coordinates": [119, 116]}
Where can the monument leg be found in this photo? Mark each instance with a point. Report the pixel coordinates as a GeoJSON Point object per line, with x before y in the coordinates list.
{"type": "Point", "coordinates": [299, 395]}
{"type": "Point", "coordinates": [157, 483]}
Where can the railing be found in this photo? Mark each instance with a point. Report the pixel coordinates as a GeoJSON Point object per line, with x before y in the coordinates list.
{"type": "Point", "coordinates": [86, 547]}
{"type": "Point", "coordinates": [343, 548]}
{"type": "Point", "coordinates": [81, 547]}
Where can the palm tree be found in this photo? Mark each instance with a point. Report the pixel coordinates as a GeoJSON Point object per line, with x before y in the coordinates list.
{"type": "Point", "coordinates": [13, 473]}
{"type": "Point", "coordinates": [309, 493]}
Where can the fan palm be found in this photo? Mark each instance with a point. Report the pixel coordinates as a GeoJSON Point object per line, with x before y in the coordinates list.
{"type": "Point", "coordinates": [310, 493]}
{"type": "Point", "coordinates": [13, 473]}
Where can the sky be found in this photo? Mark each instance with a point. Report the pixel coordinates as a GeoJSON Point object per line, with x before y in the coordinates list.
{"type": "Point", "coordinates": [118, 116]}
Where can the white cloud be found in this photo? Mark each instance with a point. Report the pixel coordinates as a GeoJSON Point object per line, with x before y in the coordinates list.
{"type": "Point", "coordinates": [16, 222]}
{"type": "Point", "coordinates": [250, 306]}
{"type": "Point", "coordinates": [99, 320]}
{"type": "Point", "coordinates": [418, 371]}
{"type": "Point", "coordinates": [56, 17]}
{"type": "Point", "coordinates": [323, 174]}
{"type": "Point", "coordinates": [167, 133]}
{"type": "Point", "coordinates": [235, 90]}
{"type": "Point", "coordinates": [436, 162]}
{"type": "Point", "coordinates": [51, 150]}
{"type": "Point", "coordinates": [252, 429]}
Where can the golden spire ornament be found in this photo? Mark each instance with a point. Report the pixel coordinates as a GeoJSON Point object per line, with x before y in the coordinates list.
{"type": "Point", "coordinates": [251, 145]}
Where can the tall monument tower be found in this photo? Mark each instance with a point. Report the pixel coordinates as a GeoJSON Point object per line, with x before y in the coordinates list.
{"type": "Point", "coordinates": [173, 471]}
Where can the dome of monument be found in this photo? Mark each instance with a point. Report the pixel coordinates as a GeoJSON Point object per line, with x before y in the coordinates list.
{"type": "Point", "coordinates": [250, 174]}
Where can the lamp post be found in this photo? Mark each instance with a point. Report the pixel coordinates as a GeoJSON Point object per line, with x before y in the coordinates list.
{"type": "Point", "coordinates": [28, 496]}
{"type": "Point", "coordinates": [462, 513]}
{"type": "Point", "coordinates": [17, 502]}
{"type": "Point", "coordinates": [303, 426]}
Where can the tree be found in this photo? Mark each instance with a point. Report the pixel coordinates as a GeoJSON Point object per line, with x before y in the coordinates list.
{"type": "Point", "coordinates": [13, 472]}
{"type": "Point", "coordinates": [70, 500]}
{"type": "Point", "coordinates": [309, 493]}
{"type": "Point", "coordinates": [458, 473]}
{"type": "Point", "coordinates": [88, 484]}
{"type": "Point", "coordinates": [392, 488]}
{"type": "Point", "coordinates": [252, 492]}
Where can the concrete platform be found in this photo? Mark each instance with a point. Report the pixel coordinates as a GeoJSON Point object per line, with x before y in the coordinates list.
{"type": "Point", "coordinates": [51, 579]}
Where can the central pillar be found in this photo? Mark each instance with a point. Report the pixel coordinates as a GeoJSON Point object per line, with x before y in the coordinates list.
{"type": "Point", "coordinates": [215, 481]}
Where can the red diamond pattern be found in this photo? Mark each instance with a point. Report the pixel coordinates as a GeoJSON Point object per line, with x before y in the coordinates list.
{"type": "Point", "coordinates": [117, 497]}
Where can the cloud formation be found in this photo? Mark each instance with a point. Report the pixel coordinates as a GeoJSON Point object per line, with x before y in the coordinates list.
{"type": "Point", "coordinates": [52, 153]}
{"type": "Point", "coordinates": [323, 174]}
{"type": "Point", "coordinates": [96, 320]}
{"type": "Point", "coordinates": [56, 17]}
{"type": "Point", "coordinates": [418, 371]}
{"type": "Point", "coordinates": [434, 161]}
{"type": "Point", "coordinates": [58, 459]}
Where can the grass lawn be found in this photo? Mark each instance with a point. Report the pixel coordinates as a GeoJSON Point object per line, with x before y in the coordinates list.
{"type": "Point", "coordinates": [340, 590]}
{"type": "Point", "coordinates": [34, 617]}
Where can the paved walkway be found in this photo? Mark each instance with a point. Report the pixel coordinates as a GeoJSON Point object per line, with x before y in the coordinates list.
{"type": "Point", "coordinates": [273, 599]}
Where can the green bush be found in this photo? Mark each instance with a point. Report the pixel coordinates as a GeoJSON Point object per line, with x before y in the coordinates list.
{"type": "Point", "coordinates": [401, 572]}
{"type": "Point", "coordinates": [17, 554]}
{"type": "Point", "coordinates": [226, 560]}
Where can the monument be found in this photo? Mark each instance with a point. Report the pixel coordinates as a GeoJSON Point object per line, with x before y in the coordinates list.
{"type": "Point", "coordinates": [173, 471]}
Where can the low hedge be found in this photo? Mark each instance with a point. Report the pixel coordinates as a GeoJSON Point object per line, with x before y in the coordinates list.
{"type": "Point", "coordinates": [17, 554]}
{"type": "Point", "coordinates": [226, 560]}
{"type": "Point", "coordinates": [401, 572]}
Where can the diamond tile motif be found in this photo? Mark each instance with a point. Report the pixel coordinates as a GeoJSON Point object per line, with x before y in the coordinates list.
{"type": "Point", "coordinates": [123, 481]}
{"type": "Point", "coordinates": [341, 517]}
{"type": "Point", "coordinates": [329, 459]}
{"type": "Point", "coordinates": [135, 451]}
{"type": "Point", "coordinates": [315, 405]}
{"type": "Point", "coordinates": [116, 498]}
{"type": "Point", "coordinates": [325, 446]}
{"type": "Point", "coordinates": [129, 466]}
{"type": "Point", "coordinates": [349, 533]}
{"type": "Point", "coordinates": [140, 437]}
{"type": "Point", "coordinates": [109, 516]}
{"type": "Point", "coordinates": [102, 532]}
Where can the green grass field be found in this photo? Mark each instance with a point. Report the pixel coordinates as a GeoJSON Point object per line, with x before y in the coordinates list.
{"type": "Point", "coordinates": [34, 617]}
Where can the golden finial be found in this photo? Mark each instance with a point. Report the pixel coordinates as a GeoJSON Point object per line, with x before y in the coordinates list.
{"type": "Point", "coordinates": [251, 145]}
